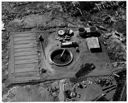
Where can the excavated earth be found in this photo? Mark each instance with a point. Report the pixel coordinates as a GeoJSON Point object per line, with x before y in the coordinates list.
{"type": "Point", "coordinates": [23, 57]}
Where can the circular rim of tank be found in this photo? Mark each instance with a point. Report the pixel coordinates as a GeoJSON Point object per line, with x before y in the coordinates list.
{"type": "Point", "coordinates": [82, 30]}
{"type": "Point", "coordinates": [65, 64]}
{"type": "Point", "coordinates": [93, 29]}
{"type": "Point", "coordinates": [61, 32]}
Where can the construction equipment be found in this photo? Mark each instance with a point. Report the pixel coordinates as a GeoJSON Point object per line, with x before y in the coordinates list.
{"type": "Point", "coordinates": [69, 44]}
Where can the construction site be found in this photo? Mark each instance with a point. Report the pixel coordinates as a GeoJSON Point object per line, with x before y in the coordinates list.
{"type": "Point", "coordinates": [64, 51]}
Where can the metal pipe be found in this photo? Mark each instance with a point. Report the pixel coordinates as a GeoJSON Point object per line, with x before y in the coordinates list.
{"type": "Point", "coordinates": [103, 94]}
{"type": "Point", "coordinates": [69, 44]}
{"type": "Point", "coordinates": [62, 53]}
{"type": "Point", "coordinates": [109, 87]}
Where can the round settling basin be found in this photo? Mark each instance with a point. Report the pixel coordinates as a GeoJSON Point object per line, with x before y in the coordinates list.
{"type": "Point", "coordinates": [61, 57]}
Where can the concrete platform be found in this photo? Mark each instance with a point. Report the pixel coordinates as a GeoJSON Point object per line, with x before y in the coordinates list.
{"type": "Point", "coordinates": [100, 60]}
{"type": "Point", "coordinates": [24, 59]}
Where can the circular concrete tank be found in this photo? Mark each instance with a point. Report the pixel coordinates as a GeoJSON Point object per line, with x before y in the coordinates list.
{"type": "Point", "coordinates": [61, 57]}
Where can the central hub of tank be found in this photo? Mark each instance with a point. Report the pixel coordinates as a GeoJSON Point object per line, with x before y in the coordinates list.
{"type": "Point", "coordinates": [61, 57]}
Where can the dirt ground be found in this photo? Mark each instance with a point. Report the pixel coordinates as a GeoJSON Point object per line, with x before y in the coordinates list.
{"type": "Point", "coordinates": [52, 16]}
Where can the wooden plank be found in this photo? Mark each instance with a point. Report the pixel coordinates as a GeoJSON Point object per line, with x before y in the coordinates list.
{"type": "Point", "coordinates": [11, 56]}
{"type": "Point", "coordinates": [25, 49]}
{"type": "Point", "coordinates": [25, 53]}
{"type": "Point", "coordinates": [25, 41]}
{"type": "Point", "coordinates": [25, 45]}
{"type": "Point", "coordinates": [26, 57]}
{"type": "Point", "coordinates": [25, 70]}
{"type": "Point", "coordinates": [24, 35]}
{"type": "Point", "coordinates": [26, 61]}
{"type": "Point", "coordinates": [27, 74]}
{"type": "Point", "coordinates": [25, 65]}
{"type": "Point", "coordinates": [21, 39]}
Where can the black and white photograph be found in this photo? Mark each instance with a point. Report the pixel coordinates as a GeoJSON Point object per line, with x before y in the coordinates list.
{"type": "Point", "coordinates": [63, 51]}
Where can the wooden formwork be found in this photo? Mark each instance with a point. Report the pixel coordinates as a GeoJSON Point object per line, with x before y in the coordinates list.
{"type": "Point", "coordinates": [23, 57]}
